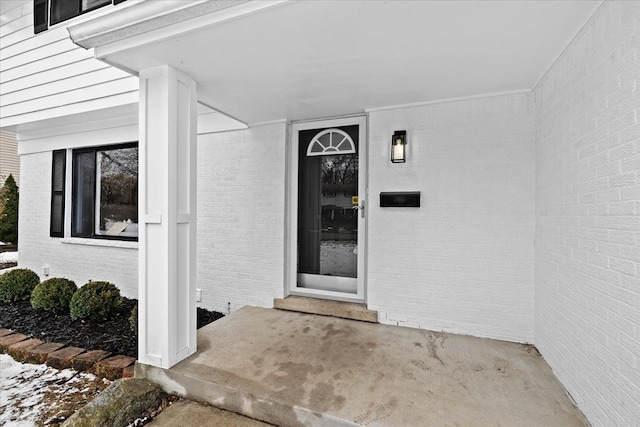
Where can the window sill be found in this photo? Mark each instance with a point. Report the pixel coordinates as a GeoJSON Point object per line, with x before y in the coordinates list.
{"type": "Point", "coordinates": [100, 242]}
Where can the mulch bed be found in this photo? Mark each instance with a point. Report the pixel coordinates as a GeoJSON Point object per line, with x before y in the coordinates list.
{"type": "Point", "coordinates": [113, 334]}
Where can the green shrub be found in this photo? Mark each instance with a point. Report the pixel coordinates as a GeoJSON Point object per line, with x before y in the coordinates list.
{"type": "Point", "coordinates": [9, 199]}
{"type": "Point", "coordinates": [95, 300]}
{"type": "Point", "coordinates": [133, 319]}
{"type": "Point", "coordinates": [53, 295]}
{"type": "Point", "coordinates": [17, 285]}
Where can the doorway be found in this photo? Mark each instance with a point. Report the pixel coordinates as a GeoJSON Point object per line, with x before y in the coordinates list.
{"type": "Point", "coordinates": [328, 194]}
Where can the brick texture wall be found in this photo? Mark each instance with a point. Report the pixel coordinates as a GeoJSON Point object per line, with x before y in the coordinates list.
{"type": "Point", "coordinates": [529, 228]}
{"type": "Point", "coordinates": [79, 263]}
{"type": "Point", "coordinates": [587, 323]}
{"type": "Point", "coordinates": [241, 205]}
{"type": "Point", "coordinates": [464, 261]}
{"type": "Point", "coordinates": [241, 193]}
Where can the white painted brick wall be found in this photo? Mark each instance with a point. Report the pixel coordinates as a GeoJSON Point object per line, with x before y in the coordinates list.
{"type": "Point", "coordinates": [79, 263]}
{"type": "Point", "coordinates": [241, 206]}
{"type": "Point", "coordinates": [240, 219]}
{"type": "Point", "coordinates": [561, 163]}
{"type": "Point", "coordinates": [464, 261]}
{"type": "Point", "coordinates": [587, 319]}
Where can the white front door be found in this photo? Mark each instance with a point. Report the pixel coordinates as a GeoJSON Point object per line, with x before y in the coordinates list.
{"type": "Point", "coordinates": [328, 194]}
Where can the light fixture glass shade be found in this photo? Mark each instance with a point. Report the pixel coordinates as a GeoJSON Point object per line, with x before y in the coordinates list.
{"type": "Point", "coordinates": [398, 144]}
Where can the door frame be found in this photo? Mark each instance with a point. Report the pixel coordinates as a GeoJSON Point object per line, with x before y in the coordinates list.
{"type": "Point", "coordinates": [291, 281]}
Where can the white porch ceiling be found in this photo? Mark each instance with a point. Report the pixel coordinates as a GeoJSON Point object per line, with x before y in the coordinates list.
{"type": "Point", "coordinates": [310, 59]}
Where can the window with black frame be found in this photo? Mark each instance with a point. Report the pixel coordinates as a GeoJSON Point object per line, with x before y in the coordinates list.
{"type": "Point", "coordinates": [51, 12]}
{"type": "Point", "coordinates": [105, 192]}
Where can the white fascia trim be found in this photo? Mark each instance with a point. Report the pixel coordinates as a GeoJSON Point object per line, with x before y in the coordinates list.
{"type": "Point", "coordinates": [447, 100]}
{"type": "Point", "coordinates": [86, 34]}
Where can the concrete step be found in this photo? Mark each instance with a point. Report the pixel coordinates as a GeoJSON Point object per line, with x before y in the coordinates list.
{"type": "Point", "coordinates": [241, 367]}
{"type": "Point", "coordinates": [323, 307]}
{"type": "Point", "coordinates": [186, 413]}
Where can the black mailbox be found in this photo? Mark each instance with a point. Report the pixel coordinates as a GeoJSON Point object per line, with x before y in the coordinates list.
{"type": "Point", "coordinates": [400, 199]}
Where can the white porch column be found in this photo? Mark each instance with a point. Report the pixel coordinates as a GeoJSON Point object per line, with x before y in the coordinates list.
{"type": "Point", "coordinates": [167, 199]}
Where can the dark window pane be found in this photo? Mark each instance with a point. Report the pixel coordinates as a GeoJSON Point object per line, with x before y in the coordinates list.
{"type": "Point", "coordinates": [84, 178]}
{"type": "Point", "coordinates": [62, 10]}
{"type": "Point", "coordinates": [93, 4]}
{"type": "Point", "coordinates": [118, 192]}
{"type": "Point", "coordinates": [105, 192]}
{"type": "Point", "coordinates": [327, 222]}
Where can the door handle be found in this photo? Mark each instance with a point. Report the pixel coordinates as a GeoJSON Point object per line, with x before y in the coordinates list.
{"type": "Point", "coordinates": [361, 207]}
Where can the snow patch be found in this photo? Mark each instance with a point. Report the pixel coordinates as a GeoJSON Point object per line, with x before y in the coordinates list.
{"type": "Point", "coordinates": [6, 257]}
{"type": "Point", "coordinates": [23, 387]}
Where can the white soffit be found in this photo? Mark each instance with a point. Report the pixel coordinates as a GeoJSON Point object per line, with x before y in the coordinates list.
{"type": "Point", "coordinates": [312, 59]}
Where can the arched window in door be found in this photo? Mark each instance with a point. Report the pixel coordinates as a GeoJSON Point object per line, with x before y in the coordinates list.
{"type": "Point", "coordinates": [330, 142]}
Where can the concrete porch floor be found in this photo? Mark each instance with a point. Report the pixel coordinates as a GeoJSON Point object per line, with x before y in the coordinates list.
{"type": "Point", "coordinates": [294, 369]}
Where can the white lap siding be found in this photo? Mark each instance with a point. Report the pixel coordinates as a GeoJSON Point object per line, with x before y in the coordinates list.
{"type": "Point", "coordinates": [46, 75]}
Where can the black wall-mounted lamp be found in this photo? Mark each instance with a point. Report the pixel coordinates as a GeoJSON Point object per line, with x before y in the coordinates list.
{"type": "Point", "coordinates": [398, 145]}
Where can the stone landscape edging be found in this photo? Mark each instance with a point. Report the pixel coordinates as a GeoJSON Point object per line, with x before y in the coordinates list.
{"type": "Point", "coordinates": [60, 356]}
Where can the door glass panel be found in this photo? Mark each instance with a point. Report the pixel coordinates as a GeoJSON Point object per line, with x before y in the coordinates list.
{"type": "Point", "coordinates": [327, 213]}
